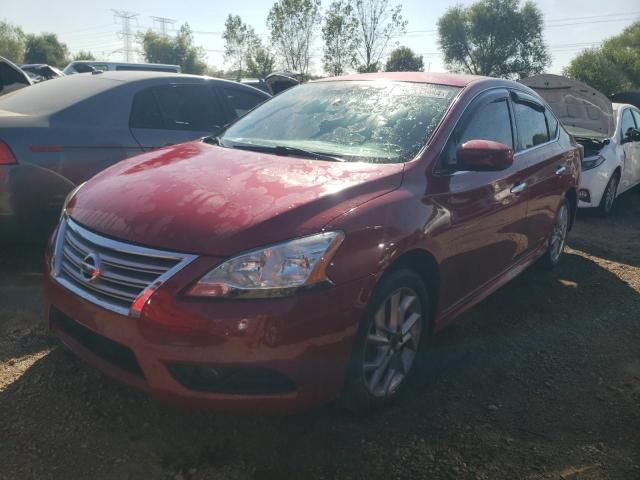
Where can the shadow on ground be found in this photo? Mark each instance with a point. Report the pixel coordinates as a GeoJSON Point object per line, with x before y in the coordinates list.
{"type": "Point", "coordinates": [537, 379]}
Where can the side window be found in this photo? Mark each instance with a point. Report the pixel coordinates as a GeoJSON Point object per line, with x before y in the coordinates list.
{"type": "Point", "coordinates": [532, 126]}
{"type": "Point", "coordinates": [241, 100]}
{"type": "Point", "coordinates": [636, 115]}
{"type": "Point", "coordinates": [552, 124]}
{"type": "Point", "coordinates": [491, 121]}
{"type": "Point", "coordinates": [177, 107]}
{"type": "Point", "coordinates": [626, 123]}
{"type": "Point", "coordinates": [145, 112]}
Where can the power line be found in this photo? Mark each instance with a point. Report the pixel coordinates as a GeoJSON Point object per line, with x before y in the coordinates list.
{"type": "Point", "coordinates": [126, 35]}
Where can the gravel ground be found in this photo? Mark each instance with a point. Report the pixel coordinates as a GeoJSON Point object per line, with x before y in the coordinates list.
{"type": "Point", "coordinates": [541, 380]}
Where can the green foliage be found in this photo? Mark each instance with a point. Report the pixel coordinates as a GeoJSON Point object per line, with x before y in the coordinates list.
{"type": "Point", "coordinates": [178, 50]}
{"type": "Point", "coordinates": [403, 59]}
{"type": "Point", "coordinates": [378, 23]}
{"type": "Point", "coordinates": [84, 55]}
{"type": "Point", "coordinates": [497, 38]}
{"type": "Point", "coordinates": [12, 42]}
{"type": "Point", "coordinates": [46, 48]}
{"type": "Point", "coordinates": [215, 72]}
{"type": "Point", "coordinates": [596, 69]}
{"type": "Point", "coordinates": [615, 67]}
{"type": "Point", "coordinates": [292, 24]}
{"type": "Point", "coordinates": [240, 39]}
{"type": "Point", "coordinates": [260, 62]}
{"type": "Point", "coordinates": [340, 36]}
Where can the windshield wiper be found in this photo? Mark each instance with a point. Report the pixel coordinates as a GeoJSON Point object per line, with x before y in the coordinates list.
{"type": "Point", "coordinates": [287, 151]}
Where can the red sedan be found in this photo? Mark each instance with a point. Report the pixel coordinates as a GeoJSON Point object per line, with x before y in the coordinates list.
{"type": "Point", "coordinates": [310, 251]}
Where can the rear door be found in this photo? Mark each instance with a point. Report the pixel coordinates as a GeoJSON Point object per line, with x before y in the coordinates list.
{"type": "Point", "coordinates": [487, 210]}
{"type": "Point", "coordinates": [170, 114]}
{"type": "Point", "coordinates": [547, 174]}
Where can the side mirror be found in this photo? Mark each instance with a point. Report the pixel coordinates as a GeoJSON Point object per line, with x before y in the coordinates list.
{"type": "Point", "coordinates": [632, 135]}
{"type": "Point", "coordinates": [484, 156]}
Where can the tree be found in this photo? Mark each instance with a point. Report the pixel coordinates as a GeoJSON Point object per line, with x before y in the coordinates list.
{"type": "Point", "coordinates": [292, 24]}
{"type": "Point", "coordinates": [624, 51]}
{"type": "Point", "coordinates": [378, 23]}
{"type": "Point", "coordinates": [495, 38]}
{"type": "Point", "coordinates": [612, 68]}
{"type": "Point", "coordinates": [402, 59]}
{"type": "Point", "coordinates": [240, 39]}
{"type": "Point", "coordinates": [260, 62]}
{"type": "Point", "coordinates": [12, 42]}
{"type": "Point", "coordinates": [596, 69]}
{"type": "Point", "coordinates": [339, 33]}
{"type": "Point", "coordinates": [46, 48]}
{"type": "Point", "coordinates": [178, 50]}
{"type": "Point", "coordinates": [84, 55]}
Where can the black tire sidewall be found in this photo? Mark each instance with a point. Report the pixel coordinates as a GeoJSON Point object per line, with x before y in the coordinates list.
{"type": "Point", "coordinates": [603, 202]}
{"type": "Point", "coordinates": [548, 261]}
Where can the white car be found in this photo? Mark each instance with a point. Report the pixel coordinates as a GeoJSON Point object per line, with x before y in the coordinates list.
{"type": "Point", "coordinates": [609, 133]}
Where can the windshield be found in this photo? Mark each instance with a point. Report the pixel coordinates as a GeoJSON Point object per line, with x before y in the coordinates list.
{"type": "Point", "coordinates": [371, 121]}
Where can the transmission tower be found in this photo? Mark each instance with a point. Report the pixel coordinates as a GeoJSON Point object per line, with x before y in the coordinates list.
{"type": "Point", "coordinates": [126, 34]}
{"type": "Point", "coordinates": [163, 24]}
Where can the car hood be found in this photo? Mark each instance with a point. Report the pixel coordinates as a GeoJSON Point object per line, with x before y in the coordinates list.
{"type": "Point", "coordinates": [205, 199]}
{"type": "Point", "coordinates": [576, 104]}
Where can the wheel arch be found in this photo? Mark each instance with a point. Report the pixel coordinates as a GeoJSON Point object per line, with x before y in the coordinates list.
{"type": "Point", "coordinates": [424, 264]}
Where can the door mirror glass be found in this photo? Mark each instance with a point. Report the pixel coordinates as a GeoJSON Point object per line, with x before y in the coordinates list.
{"type": "Point", "coordinates": [484, 156]}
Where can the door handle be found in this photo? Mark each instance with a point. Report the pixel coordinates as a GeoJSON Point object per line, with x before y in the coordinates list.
{"type": "Point", "coordinates": [519, 187]}
{"type": "Point", "coordinates": [561, 170]}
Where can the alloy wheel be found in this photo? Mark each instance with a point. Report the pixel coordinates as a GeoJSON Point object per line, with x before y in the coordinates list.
{"type": "Point", "coordinates": [392, 342]}
{"type": "Point", "coordinates": [559, 235]}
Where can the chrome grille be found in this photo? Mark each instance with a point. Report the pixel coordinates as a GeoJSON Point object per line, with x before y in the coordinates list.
{"type": "Point", "coordinates": [107, 272]}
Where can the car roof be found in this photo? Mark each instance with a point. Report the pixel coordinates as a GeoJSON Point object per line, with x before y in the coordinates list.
{"type": "Point", "coordinates": [108, 62]}
{"type": "Point", "coordinates": [453, 79]}
{"type": "Point", "coordinates": [619, 106]}
{"type": "Point", "coordinates": [140, 75]}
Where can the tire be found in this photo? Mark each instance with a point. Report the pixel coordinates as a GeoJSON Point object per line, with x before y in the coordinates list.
{"type": "Point", "coordinates": [609, 196]}
{"type": "Point", "coordinates": [558, 236]}
{"type": "Point", "coordinates": [384, 359]}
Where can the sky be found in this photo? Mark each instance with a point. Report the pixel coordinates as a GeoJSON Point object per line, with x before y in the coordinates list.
{"type": "Point", "coordinates": [570, 25]}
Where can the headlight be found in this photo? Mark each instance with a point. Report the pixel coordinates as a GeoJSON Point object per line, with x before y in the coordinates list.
{"type": "Point", "coordinates": [592, 162]}
{"type": "Point", "coordinates": [68, 199]}
{"type": "Point", "coordinates": [274, 271]}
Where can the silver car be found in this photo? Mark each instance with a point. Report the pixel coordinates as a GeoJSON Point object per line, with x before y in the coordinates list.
{"type": "Point", "coordinates": [57, 134]}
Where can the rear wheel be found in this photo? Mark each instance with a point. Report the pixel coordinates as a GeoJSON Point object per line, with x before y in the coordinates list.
{"type": "Point", "coordinates": [558, 236]}
{"type": "Point", "coordinates": [608, 198]}
{"type": "Point", "coordinates": [390, 339]}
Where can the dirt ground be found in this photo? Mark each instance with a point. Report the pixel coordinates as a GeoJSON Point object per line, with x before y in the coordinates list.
{"type": "Point", "coordinates": [541, 380]}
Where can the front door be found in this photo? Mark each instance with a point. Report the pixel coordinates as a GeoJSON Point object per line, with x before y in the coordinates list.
{"type": "Point", "coordinates": [486, 210]}
{"type": "Point", "coordinates": [631, 152]}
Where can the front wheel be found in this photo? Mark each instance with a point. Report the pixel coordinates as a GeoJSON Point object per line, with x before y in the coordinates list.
{"type": "Point", "coordinates": [392, 335]}
{"type": "Point", "coordinates": [558, 236]}
{"type": "Point", "coordinates": [608, 198]}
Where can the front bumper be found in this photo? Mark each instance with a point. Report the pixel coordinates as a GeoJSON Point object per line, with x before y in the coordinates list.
{"type": "Point", "coordinates": [593, 182]}
{"type": "Point", "coordinates": [306, 339]}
